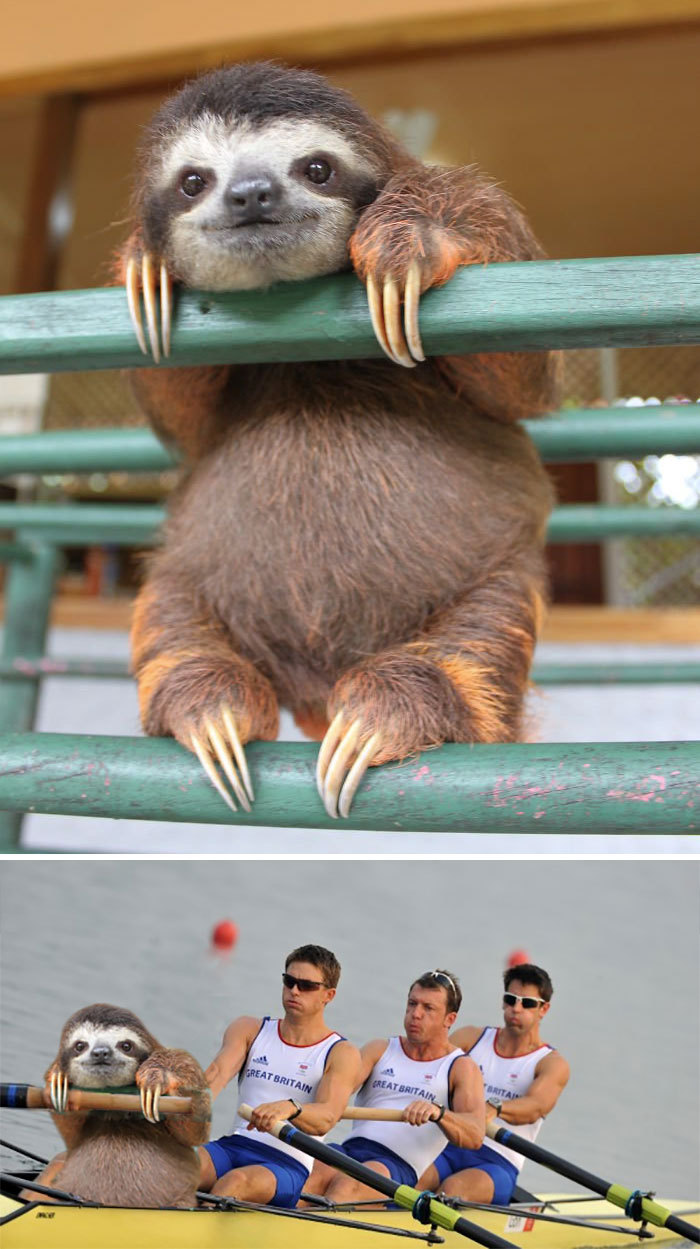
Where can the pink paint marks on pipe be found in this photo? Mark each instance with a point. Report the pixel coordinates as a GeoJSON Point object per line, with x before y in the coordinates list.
{"type": "Point", "coordinates": [423, 773]}
{"type": "Point", "coordinates": [651, 795]}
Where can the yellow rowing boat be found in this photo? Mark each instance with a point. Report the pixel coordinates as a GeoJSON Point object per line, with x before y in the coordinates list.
{"type": "Point", "coordinates": [595, 1224]}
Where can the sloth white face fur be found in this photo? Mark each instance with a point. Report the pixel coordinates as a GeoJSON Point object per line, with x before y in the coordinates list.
{"type": "Point", "coordinates": [241, 206]}
{"type": "Point", "coordinates": [97, 1055]}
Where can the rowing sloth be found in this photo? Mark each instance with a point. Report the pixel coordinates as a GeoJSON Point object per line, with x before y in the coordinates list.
{"type": "Point", "coordinates": [359, 542]}
{"type": "Point", "coordinates": [116, 1157]}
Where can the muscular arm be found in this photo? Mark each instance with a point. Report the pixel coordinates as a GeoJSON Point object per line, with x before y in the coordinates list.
{"type": "Point", "coordinates": [551, 1076]}
{"type": "Point", "coordinates": [464, 1124]}
{"type": "Point", "coordinates": [466, 1038]}
{"type": "Point", "coordinates": [238, 1039]}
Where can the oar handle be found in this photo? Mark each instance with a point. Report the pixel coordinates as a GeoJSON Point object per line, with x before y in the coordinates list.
{"type": "Point", "coordinates": [650, 1210]}
{"type": "Point", "coordinates": [379, 1113]}
{"type": "Point", "coordinates": [31, 1097]}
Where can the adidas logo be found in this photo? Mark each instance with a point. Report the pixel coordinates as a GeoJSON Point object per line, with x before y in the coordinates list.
{"type": "Point", "coordinates": [261, 1059]}
{"type": "Point", "coordinates": [388, 1071]}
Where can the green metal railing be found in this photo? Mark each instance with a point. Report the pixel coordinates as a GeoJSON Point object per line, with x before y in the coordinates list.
{"type": "Point", "coordinates": [618, 787]}
{"type": "Point", "coordinates": [579, 788]}
{"type": "Point", "coordinates": [629, 301]}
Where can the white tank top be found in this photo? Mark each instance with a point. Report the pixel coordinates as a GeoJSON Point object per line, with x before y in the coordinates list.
{"type": "Point", "coordinates": [395, 1080]}
{"type": "Point", "coordinates": [506, 1078]}
{"type": "Point", "coordinates": [273, 1070]}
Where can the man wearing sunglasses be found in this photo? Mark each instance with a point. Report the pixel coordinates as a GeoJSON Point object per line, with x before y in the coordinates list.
{"type": "Point", "coordinates": [424, 1076]}
{"type": "Point", "coordinates": [523, 1078]}
{"type": "Point", "coordinates": [288, 1068]}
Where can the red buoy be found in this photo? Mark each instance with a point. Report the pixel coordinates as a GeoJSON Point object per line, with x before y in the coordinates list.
{"type": "Point", "coordinates": [516, 957]}
{"type": "Point", "coordinates": [224, 935]}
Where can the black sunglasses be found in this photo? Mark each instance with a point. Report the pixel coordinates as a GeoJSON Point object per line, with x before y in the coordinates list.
{"type": "Point", "coordinates": [304, 986]}
{"type": "Point", "coordinates": [529, 1003]}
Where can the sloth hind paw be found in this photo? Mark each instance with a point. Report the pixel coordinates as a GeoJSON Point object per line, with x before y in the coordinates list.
{"type": "Point", "coordinates": [342, 762]}
{"type": "Point", "coordinates": [142, 278]}
{"type": "Point", "coordinates": [220, 742]}
{"type": "Point", "coordinates": [58, 1091]}
{"type": "Point", "coordinates": [398, 337]}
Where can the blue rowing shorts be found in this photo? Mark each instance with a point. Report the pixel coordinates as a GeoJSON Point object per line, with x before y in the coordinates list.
{"type": "Point", "coordinates": [229, 1152]}
{"type": "Point", "coordinates": [502, 1172]}
{"type": "Point", "coordinates": [364, 1150]}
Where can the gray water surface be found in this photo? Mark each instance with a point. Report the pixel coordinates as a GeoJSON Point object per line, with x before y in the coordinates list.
{"type": "Point", "coordinates": [619, 938]}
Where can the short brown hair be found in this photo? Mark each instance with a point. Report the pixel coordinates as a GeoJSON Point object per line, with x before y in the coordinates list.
{"type": "Point", "coordinates": [322, 958]}
{"type": "Point", "coordinates": [443, 980]}
{"type": "Point", "coordinates": [527, 973]}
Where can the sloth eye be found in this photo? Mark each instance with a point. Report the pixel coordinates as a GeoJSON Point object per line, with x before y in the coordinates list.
{"type": "Point", "coordinates": [125, 1046]}
{"type": "Point", "coordinates": [318, 171]}
{"type": "Point", "coordinates": [79, 1047]}
{"type": "Point", "coordinates": [192, 185]}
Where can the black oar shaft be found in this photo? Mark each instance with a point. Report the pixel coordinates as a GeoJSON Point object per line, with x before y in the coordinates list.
{"type": "Point", "coordinates": [650, 1210]}
{"type": "Point", "coordinates": [357, 1171]}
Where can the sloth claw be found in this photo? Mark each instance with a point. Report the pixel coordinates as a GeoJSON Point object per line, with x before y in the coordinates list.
{"type": "Point", "coordinates": [401, 342]}
{"type": "Point", "coordinates": [58, 1091]}
{"type": "Point", "coordinates": [146, 281]}
{"type": "Point", "coordinates": [150, 1103]}
{"type": "Point", "coordinates": [225, 747]}
{"type": "Point", "coordinates": [341, 765]}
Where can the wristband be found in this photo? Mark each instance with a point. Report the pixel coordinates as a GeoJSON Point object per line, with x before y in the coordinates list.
{"type": "Point", "coordinates": [297, 1109]}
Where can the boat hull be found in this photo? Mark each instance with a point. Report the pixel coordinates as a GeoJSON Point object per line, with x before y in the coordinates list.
{"type": "Point", "coordinates": [52, 1226]}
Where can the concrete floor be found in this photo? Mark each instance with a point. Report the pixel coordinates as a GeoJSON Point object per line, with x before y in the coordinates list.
{"type": "Point", "coordinates": [561, 713]}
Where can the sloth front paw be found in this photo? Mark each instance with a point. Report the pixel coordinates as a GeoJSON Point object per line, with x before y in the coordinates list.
{"type": "Point", "coordinates": [140, 270]}
{"type": "Point", "coordinates": [57, 1088]}
{"type": "Point", "coordinates": [398, 256]}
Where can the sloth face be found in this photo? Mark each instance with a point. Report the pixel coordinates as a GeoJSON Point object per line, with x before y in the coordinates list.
{"type": "Point", "coordinates": [234, 207]}
{"type": "Point", "coordinates": [98, 1056]}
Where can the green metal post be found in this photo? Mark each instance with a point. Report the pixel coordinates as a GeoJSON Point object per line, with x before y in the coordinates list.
{"type": "Point", "coordinates": [28, 595]}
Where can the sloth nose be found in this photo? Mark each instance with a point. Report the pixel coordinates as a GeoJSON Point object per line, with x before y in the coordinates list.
{"type": "Point", "coordinates": [101, 1051]}
{"type": "Point", "coordinates": [252, 198]}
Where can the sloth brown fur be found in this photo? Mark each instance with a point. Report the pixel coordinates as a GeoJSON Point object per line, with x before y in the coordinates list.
{"type": "Point", "coordinates": [351, 536]}
{"type": "Point", "coordinates": [116, 1157]}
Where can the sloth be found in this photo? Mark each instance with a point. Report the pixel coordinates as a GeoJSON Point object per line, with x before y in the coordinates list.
{"type": "Point", "coordinates": [117, 1157]}
{"type": "Point", "coordinates": [357, 541]}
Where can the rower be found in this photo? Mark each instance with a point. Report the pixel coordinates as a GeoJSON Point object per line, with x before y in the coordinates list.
{"type": "Point", "coordinates": [523, 1079]}
{"type": "Point", "coordinates": [425, 1075]}
{"type": "Point", "coordinates": [311, 1069]}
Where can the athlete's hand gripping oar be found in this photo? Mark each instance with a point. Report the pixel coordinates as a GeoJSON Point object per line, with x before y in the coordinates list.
{"type": "Point", "coordinates": [423, 1206]}
{"type": "Point", "coordinates": [634, 1204]}
{"type": "Point", "coordinates": [31, 1097]}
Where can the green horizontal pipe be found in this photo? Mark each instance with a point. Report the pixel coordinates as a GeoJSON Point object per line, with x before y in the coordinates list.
{"type": "Point", "coordinates": [583, 673]}
{"type": "Point", "coordinates": [582, 522]}
{"type": "Point", "coordinates": [85, 524]}
{"type": "Point", "coordinates": [630, 787]}
{"type": "Point", "coordinates": [578, 434]}
{"type": "Point", "coordinates": [84, 451]}
{"type": "Point", "coordinates": [573, 434]}
{"type": "Point", "coordinates": [620, 673]}
{"type": "Point", "coordinates": [628, 301]}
